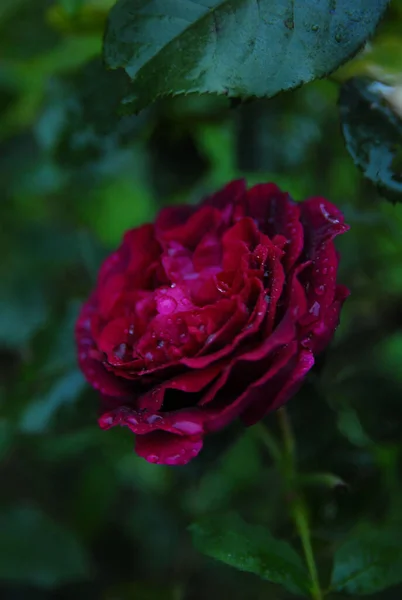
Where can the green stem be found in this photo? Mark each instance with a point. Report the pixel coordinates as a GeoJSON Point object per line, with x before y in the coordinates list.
{"type": "Point", "coordinates": [298, 508]}
{"type": "Point", "coordinates": [299, 515]}
{"type": "Point", "coordinates": [269, 441]}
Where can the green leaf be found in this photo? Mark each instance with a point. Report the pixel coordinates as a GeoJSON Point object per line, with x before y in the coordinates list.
{"type": "Point", "coordinates": [368, 562]}
{"type": "Point", "coordinates": [251, 548]}
{"type": "Point", "coordinates": [373, 134]}
{"type": "Point", "coordinates": [239, 48]}
{"type": "Point", "coordinates": [36, 550]}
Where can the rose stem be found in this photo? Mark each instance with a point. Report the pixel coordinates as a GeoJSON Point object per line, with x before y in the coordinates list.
{"type": "Point", "coordinates": [298, 507]}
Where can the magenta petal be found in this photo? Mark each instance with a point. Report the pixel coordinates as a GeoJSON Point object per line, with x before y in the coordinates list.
{"type": "Point", "coordinates": [322, 221]}
{"type": "Point", "coordinates": [232, 196]}
{"type": "Point", "coordinates": [258, 392]}
{"type": "Point", "coordinates": [89, 361]}
{"type": "Point", "coordinates": [277, 214]}
{"type": "Point", "coordinates": [189, 382]}
{"type": "Point", "coordinates": [163, 448]}
{"type": "Point", "coordinates": [173, 216]}
{"type": "Point", "coordinates": [323, 331]}
{"type": "Point", "coordinates": [279, 389]}
{"type": "Point", "coordinates": [188, 421]}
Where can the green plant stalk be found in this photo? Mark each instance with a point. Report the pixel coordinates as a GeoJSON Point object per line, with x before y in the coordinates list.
{"type": "Point", "coordinates": [299, 514]}
{"type": "Point", "coordinates": [297, 505]}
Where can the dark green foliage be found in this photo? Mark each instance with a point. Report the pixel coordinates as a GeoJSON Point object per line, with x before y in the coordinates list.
{"type": "Point", "coordinates": [36, 550]}
{"type": "Point", "coordinates": [238, 48]}
{"type": "Point", "coordinates": [81, 516]}
{"type": "Point", "coordinates": [373, 134]}
{"type": "Point", "coordinates": [369, 561]}
{"type": "Point", "coordinates": [251, 548]}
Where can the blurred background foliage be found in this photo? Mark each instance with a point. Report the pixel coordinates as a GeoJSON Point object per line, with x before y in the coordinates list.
{"type": "Point", "coordinates": [80, 515]}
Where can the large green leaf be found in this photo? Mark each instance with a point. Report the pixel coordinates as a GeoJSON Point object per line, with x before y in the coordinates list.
{"type": "Point", "coordinates": [251, 548]}
{"type": "Point", "coordinates": [239, 48]}
{"type": "Point", "coordinates": [36, 550]}
{"type": "Point", "coordinates": [368, 562]}
{"type": "Point", "coordinates": [373, 134]}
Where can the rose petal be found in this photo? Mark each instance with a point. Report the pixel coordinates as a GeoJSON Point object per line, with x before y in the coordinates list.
{"type": "Point", "coordinates": [180, 422]}
{"type": "Point", "coordinates": [259, 391]}
{"type": "Point", "coordinates": [231, 200]}
{"type": "Point", "coordinates": [190, 382]}
{"type": "Point", "coordinates": [322, 221]}
{"type": "Point", "coordinates": [90, 364]}
{"type": "Point", "coordinates": [277, 214]}
{"type": "Point", "coordinates": [163, 448]}
{"type": "Point", "coordinates": [272, 393]}
{"type": "Point", "coordinates": [323, 331]}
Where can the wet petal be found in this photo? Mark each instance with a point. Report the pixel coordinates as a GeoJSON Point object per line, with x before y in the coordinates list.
{"type": "Point", "coordinates": [322, 221]}
{"type": "Point", "coordinates": [163, 448]}
{"type": "Point", "coordinates": [89, 357]}
{"type": "Point", "coordinates": [277, 214]}
{"type": "Point", "coordinates": [271, 394]}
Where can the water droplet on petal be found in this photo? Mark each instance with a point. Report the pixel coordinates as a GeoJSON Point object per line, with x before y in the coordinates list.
{"type": "Point", "coordinates": [167, 305]}
{"type": "Point", "coordinates": [320, 290]}
{"type": "Point", "coordinates": [315, 309]}
{"type": "Point", "coordinates": [153, 419]}
{"type": "Point", "coordinates": [120, 351]}
{"type": "Point", "coordinates": [327, 215]}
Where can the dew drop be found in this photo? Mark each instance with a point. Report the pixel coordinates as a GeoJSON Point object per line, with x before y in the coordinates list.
{"type": "Point", "coordinates": [153, 419]}
{"type": "Point", "coordinates": [315, 27]}
{"type": "Point", "coordinates": [167, 305]}
{"type": "Point", "coordinates": [326, 214]}
{"type": "Point", "coordinates": [338, 37]}
{"type": "Point", "coordinates": [315, 309]}
{"type": "Point", "coordinates": [320, 290]}
{"type": "Point", "coordinates": [120, 351]}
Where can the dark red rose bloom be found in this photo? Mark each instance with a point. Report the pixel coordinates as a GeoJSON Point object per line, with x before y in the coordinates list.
{"type": "Point", "coordinates": [214, 312]}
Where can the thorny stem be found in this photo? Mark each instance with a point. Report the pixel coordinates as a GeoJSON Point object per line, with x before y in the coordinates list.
{"type": "Point", "coordinates": [298, 510]}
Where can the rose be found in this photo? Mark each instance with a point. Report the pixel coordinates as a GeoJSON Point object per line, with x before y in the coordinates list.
{"type": "Point", "coordinates": [214, 312]}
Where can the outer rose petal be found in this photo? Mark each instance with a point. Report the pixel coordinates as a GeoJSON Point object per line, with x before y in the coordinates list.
{"type": "Point", "coordinates": [322, 221]}
{"type": "Point", "coordinates": [164, 438]}
{"type": "Point", "coordinates": [278, 390]}
{"type": "Point", "coordinates": [188, 421]}
{"type": "Point", "coordinates": [96, 374]}
{"type": "Point", "coordinates": [164, 448]}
